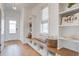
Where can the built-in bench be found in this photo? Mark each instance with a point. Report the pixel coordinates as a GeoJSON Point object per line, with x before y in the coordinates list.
{"type": "Point", "coordinates": [50, 47]}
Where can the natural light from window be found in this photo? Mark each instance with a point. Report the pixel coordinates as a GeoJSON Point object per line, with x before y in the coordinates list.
{"type": "Point", "coordinates": [12, 26]}
{"type": "Point", "coordinates": [44, 21]}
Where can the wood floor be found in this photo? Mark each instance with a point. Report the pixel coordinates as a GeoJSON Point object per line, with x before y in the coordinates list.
{"type": "Point", "coordinates": [16, 48]}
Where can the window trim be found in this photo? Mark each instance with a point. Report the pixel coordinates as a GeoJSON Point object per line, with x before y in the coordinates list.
{"type": "Point", "coordinates": [10, 27]}
{"type": "Point", "coordinates": [44, 21]}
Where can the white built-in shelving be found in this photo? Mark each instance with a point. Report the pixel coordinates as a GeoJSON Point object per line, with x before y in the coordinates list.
{"type": "Point", "coordinates": [71, 29]}
{"type": "Point", "coordinates": [69, 11]}
{"type": "Point", "coordinates": [68, 25]}
{"type": "Point", "coordinates": [38, 46]}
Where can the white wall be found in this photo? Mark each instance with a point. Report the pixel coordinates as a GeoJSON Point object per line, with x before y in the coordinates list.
{"type": "Point", "coordinates": [2, 36]}
{"type": "Point", "coordinates": [36, 12]}
{"type": "Point", "coordinates": [12, 15]}
{"type": "Point", "coordinates": [24, 24]}
{"type": "Point", "coordinates": [24, 29]}
{"type": "Point", "coordinates": [0, 24]}
{"type": "Point", "coordinates": [53, 19]}
{"type": "Point", "coordinates": [26, 21]}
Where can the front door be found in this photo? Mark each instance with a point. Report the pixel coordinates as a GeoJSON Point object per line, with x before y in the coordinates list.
{"type": "Point", "coordinates": [12, 25]}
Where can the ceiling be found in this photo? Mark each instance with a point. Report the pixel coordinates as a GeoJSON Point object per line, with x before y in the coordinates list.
{"type": "Point", "coordinates": [19, 5]}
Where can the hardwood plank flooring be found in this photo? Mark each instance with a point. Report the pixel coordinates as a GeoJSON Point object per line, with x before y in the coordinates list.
{"type": "Point", "coordinates": [63, 51]}
{"type": "Point", "coordinates": [16, 48]}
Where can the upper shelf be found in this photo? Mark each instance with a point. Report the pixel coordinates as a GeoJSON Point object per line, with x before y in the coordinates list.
{"type": "Point", "coordinates": [68, 25]}
{"type": "Point", "coordinates": [74, 40]}
{"type": "Point", "coordinates": [71, 10]}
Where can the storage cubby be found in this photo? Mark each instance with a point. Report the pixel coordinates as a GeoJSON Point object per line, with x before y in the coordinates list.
{"type": "Point", "coordinates": [51, 54]}
{"type": "Point", "coordinates": [35, 44]}
{"type": "Point", "coordinates": [40, 47]}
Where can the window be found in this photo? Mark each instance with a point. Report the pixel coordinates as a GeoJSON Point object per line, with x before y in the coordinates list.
{"type": "Point", "coordinates": [12, 26]}
{"type": "Point", "coordinates": [2, 26]}
{"type": "Point", "coordinates": [44, 22]}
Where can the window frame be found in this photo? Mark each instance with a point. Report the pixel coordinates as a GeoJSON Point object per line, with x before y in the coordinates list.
{"type": "Point", "coordinates": [10, 26]}
{"type": "Point", "coordinates": [44, 21]}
